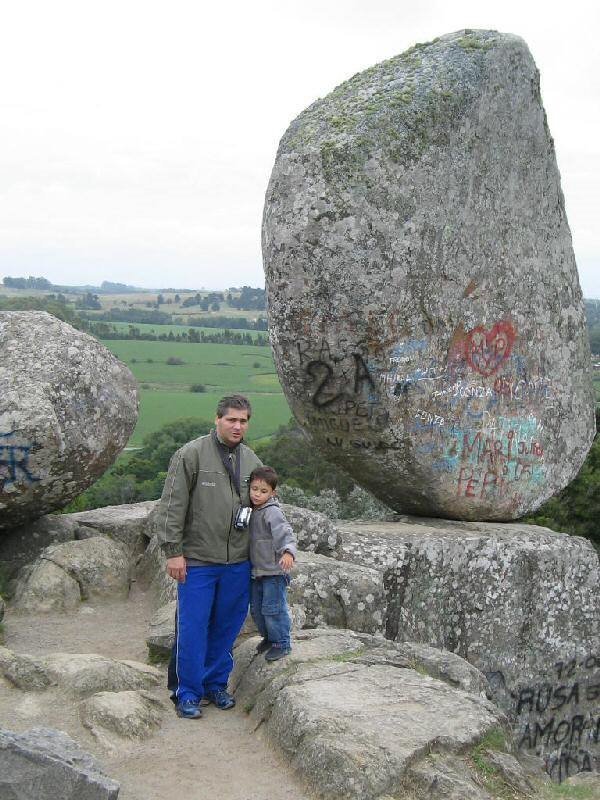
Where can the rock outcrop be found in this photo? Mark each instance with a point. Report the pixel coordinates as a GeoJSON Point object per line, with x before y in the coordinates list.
{"type": "Point", "coordinates": [66, 574]}
{"type": "Point", "coordinates": [516, 601]}
{"type": "Point", "coordinates": [424, 305]}
{"type": "Point", "coordinates": [67, 409]}
{"type": "Point", "coordinates": [358, 720]}
{"type": "Point", "coordinates": [47, 764]}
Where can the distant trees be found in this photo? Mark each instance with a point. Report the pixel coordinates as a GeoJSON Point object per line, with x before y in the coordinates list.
{"type": "Point", "coordinates": [27, 283]}
{"type": "Point", "coordinates": [249, 299]}
{"type": "Point", "coordinates": [88, 300]}
{"type": "Point", "coordinates": [142, 475]}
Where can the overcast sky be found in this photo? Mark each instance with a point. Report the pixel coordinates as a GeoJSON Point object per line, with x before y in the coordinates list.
{"type": "Point", "coordinates": [137, 138]}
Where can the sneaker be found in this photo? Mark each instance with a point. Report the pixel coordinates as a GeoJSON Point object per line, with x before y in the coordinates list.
{"type": "Point", "coordinates": [221, 698]}
{"type": "Point", "coordinates": [263, 646]}
{"type": "Point", "coordinates": [189, 709]}
{"type": "Point", "coordinates": [275, 653]}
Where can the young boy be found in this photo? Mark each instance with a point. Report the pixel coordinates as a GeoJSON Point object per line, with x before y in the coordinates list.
{"type": "Point", "coordinates": [272, 554]}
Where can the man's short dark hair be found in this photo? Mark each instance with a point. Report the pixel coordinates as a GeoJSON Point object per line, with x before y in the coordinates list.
{"type": "Point", "coordinates": [237, 401]}
{"type": "Point", "coordinates": [266, 474]}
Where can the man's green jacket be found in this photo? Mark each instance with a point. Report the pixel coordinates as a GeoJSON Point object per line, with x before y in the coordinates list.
{"type": "Point", "coordinates": [199, 503]}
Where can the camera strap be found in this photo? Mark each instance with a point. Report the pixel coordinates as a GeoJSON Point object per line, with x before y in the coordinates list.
{"type": "Point", "coordinates": [227, 456]}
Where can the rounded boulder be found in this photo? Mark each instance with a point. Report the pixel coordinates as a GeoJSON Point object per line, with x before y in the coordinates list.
{"type": "Point", "coordinates": [424, 303]}
{"type": "Point", "coordinates": [67, 409]}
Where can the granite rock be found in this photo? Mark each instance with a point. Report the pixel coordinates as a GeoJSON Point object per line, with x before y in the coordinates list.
{"type": "Point", "coordinates": [79, 674]}
{"type": "Point", "coordinates": [424, 304]}
{"type": "Point", "coordinates": [67, 573]}
{"type": "Point", "coordinates": [67, 409]}
{"type": "Point", "coordinates": [519, 602]}
{"type": "Point", "coordinates": [46, 764]}
{"type": "Point", "coordinates": [128, 715]}
{"type": "Point", "coordinates": [338, 594]}
{"type": "Point", "coordinates": [358, 730]}
{"type": "Point", "coordinates": [22, 545]}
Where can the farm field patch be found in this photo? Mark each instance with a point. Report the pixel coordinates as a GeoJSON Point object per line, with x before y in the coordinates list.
{"type": "Point", "coordinates": [221, 368]}
{"type": "Point", "coordinates": [269, 411]}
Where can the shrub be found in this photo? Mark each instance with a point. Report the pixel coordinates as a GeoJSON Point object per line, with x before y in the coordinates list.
{"type": "Point", "coordinates": [173, 361]}
{"type": "Point", "coordinates": [198, 387]}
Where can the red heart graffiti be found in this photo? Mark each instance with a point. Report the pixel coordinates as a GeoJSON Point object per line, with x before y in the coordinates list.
{"type": "Point", "coordinates": [487, 350]}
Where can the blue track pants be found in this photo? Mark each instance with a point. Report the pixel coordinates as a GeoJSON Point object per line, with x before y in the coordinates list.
{"type": "Point", "coordinates": [212, 605]}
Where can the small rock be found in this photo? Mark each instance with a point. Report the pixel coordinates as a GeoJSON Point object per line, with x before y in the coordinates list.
{"type": "Point", "coordinates": [129, 714]}
{"type": "Point", "coordinates": [70, 572]}
{"type": "Point", "coordinates": [46, 764]}
{"type": "Point", "coordinates": [161, 633]}
{"type": "Point", "coordinates": [21, 546]}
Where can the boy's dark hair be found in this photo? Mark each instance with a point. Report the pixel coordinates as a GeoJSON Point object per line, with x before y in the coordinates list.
{"type": "Point", "coordinates": [266, 474]}
{"type": "Point", "coordinates": [237, 401]}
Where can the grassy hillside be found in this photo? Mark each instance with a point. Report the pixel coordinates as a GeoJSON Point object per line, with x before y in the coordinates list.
{"type": "Point", "coordinates": [222, 369]}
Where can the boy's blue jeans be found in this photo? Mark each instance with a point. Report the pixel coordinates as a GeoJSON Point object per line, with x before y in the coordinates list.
{"type": "Point", "coordinates": [269, 608]}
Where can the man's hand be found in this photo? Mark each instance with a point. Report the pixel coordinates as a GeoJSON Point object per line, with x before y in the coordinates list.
{"type": "Point", "coordinates": [286, 562]}
{"type": "Point", "coordinates": [176, 568]}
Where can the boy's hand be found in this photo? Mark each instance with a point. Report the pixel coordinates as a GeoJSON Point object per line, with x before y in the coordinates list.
{"type": "Point", "coordinates": [286, 562]}
{"type": "Point", "coordinates": [176, 568]}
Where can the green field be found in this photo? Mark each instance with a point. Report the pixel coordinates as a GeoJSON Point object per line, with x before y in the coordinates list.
{"type": "Point", "coordinates": [222, 368]}
{"type": "Point", "coordinates": [269, 411]}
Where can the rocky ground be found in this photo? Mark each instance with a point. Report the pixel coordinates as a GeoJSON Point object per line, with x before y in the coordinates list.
{"type": "Point", "coordinates": [218, 756]}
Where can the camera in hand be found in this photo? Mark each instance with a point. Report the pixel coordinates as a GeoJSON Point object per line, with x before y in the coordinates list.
{"type": "Point", "coordinates": [242, 518]}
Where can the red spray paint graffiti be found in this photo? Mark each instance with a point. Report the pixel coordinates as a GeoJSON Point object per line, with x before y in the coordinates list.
{"type": "Point", "coordinates": [486, 350]}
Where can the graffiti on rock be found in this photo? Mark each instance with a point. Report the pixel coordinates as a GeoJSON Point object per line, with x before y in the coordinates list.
{"type": "Point", "coordinates": [486, 351]}
{"type": "Point", "coordinates": [559, 719]}
{"type": "Point", "coordinates": [14, 461]}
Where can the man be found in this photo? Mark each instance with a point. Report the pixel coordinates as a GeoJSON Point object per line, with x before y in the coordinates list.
{"type": "Point", "coordinates": [206, 485]}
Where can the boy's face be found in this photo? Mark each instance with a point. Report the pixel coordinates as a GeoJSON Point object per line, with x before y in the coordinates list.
{"type": "Point", "coordinates": [260, 492]}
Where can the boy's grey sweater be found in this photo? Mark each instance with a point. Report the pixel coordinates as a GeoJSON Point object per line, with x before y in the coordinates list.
{"type": "Point", "coordinates": [271, 535]}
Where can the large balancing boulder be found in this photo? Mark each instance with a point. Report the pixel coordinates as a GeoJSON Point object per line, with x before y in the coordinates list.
{"type": "Point", "coordinates": [425, 309]}
{"type": "Point", "coordinates": [67, 409]}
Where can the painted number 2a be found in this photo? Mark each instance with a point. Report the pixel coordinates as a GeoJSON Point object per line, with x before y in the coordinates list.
{"type": "Point", "coordinates": [327, 392]}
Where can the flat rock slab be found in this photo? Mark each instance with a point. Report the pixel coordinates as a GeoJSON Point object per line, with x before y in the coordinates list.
{"type": "Point", "coordinates": [131, 524]}
{"type": "Point", "coordinates": [67, 409]}
{"type": "Point", "coordinates": [46, 764]}
{"type": "Point", "coordinates": [353, 728]}
{"type": "Point", "coordinates": [519, 602]}
{"type": "Point", "coordinates": [79, 674]}
{"type": "Point", "coordinates": [424, 305]}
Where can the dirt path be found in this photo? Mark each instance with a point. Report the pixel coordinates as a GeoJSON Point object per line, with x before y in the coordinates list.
{"type": "Point", "coordinates": [215, 758]}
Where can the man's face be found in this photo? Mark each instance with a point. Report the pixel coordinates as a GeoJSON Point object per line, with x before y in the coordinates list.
{"type": "Point", "coordinates": [232, 426]}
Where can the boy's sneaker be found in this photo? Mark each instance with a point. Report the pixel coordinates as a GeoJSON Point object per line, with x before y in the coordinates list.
{"type": "Point", "coordinates": [263, 646]}
{"type": "Point", "coordinates": [275, 653]}
{"type": "Point", "coordinates": [221, 698]}
{"type": "Point", "coordinates": [189, 709]}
